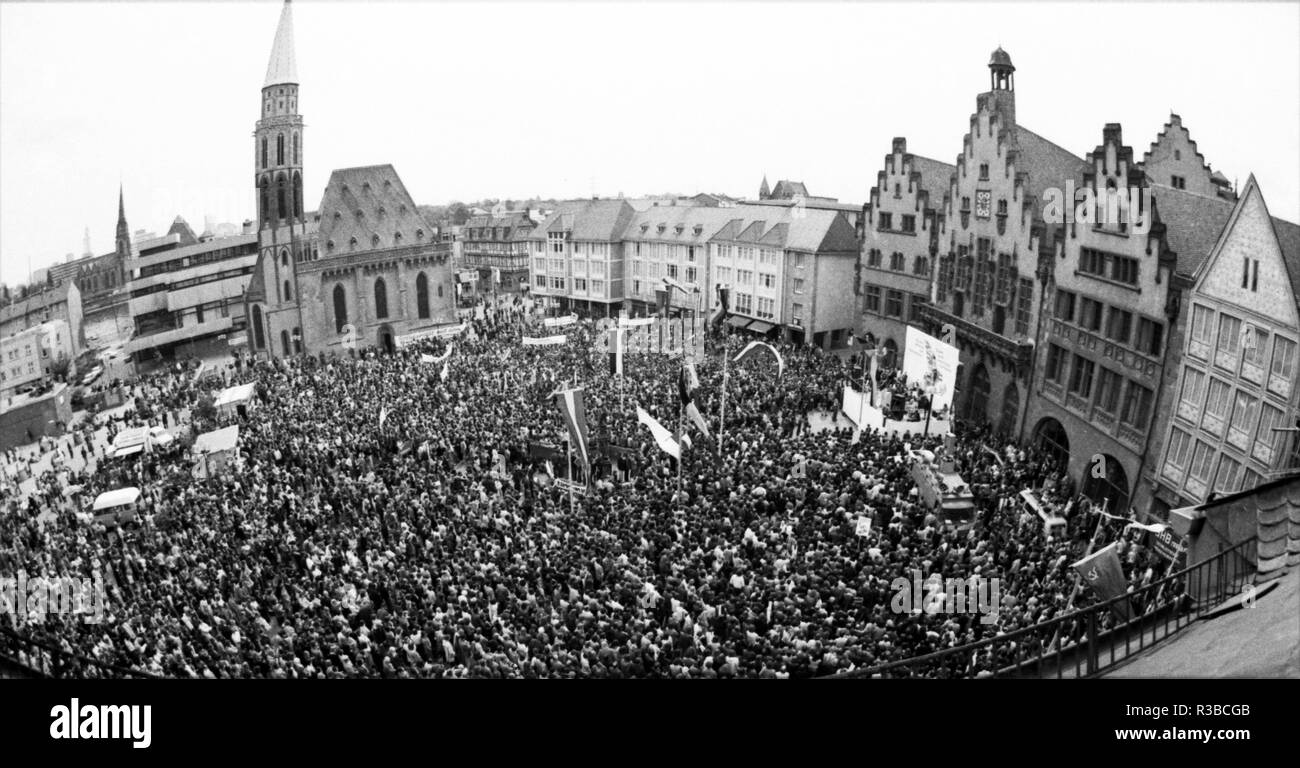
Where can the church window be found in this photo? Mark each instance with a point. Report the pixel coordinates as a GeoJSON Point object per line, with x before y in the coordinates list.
{"type": "Point", "coordinates": [340, 309]}
{"type": "Point", "coordinates": [422, 296]}
{"type": "Point", "coordinates": [381, 299]}
{"type": "Point", "coordinates": [279, 149]}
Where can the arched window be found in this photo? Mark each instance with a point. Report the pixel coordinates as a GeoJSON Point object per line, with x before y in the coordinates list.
{"type": "Point", "coordinates": [263, 153]}
{"type": "Point", "coordinates": [279, 149]}
{"type": "Point", "coordinates": [284, 258]}
{"type": "Point", "coordinates": [288, 294]}
{"type": "Point", "coordinates": [295, 148]}
{"type": "Point", "coordinates": [284, 342]}
{"type": "Point", "coordinates": [259, 340]}
{"type": "Point", "coordinates": [281, 210]}
{"type": "Point", "coordinates": [297, 195]}
{"type": "Point", "coordinates": [419, 234]}
{"type": "Point", "coordinates": [381, 299]}
{"type": "Point", "coordinates": [440, 290]}
{"type": "Point", "coordinates": [329, 246]}
{"type": "Point", "coordinates": [266, 200]}
{"type": "Point", "coordinates": [297, 341]}
{"type": "Point", "coordinates": [397, 238]}
{"type": "Point", "coordinates": [340, 309]}
{"type": "Point", "coordinates": [422, 296]}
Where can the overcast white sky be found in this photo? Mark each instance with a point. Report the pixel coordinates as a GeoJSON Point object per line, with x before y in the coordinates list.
{"type": "Point", "coordinates": [547, 99]}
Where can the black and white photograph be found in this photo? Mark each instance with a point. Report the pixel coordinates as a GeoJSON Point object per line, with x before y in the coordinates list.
{"type": "Point", "coordinates": [649, 340]}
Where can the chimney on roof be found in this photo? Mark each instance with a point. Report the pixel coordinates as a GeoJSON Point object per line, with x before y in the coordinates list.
{"type": "Point", "coordinates": [248, 227]}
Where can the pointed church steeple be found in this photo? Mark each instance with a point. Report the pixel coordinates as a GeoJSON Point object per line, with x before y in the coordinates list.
{"type": "Point", "coordinates": [279, 133]}
{"type": "Point", "coordinates": [122, 240]}
{"type": "Point", "coordinates": [764, 191]}
{"type": "Point", "coordinates": [281, 69]}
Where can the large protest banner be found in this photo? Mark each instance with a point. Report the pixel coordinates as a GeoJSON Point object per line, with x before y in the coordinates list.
{"type": "Point", "coordinates": [931, 364]}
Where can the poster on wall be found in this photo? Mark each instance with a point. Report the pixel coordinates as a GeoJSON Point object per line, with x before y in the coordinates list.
{"type": "Point", "coordinates": [932, 364]}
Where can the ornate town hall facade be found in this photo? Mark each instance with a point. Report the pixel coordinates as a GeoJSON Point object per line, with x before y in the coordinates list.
{"type": "Point", "coordinates": [364, 270]}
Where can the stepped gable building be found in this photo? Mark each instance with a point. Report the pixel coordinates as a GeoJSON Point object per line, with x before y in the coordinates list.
{"type": "Point", "coordinates": [995, 253]}
{"type": "Point", "coordinates": [1233, 356]}
{"type": "Point", "coordinates": [364, 270]}
{"type": "Point", "coordinates": [899, 243]}
{"type": "Point", "coordinates": [1174, 161]}
{"type": "Point", "coordinates": [1110, 298]}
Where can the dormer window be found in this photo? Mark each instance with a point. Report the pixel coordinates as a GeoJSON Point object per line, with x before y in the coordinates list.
{"type": "Point", "coordinates": [365, 186]}
{"type": "Point", "coordinates": [680, 228]}
{"type": "Point", "coordinates": [419, 234]}
{"type": "Point", "coordinates": [329, 246]}
{"type": "Point", "coordinates": [352, 243]}
{"type": "Point", "coordinates": [381, 211]}
{"type": "Point", "coordinates": [374, 240]}
{"type": "Point", "coordinates": [360, 214]}
{"type": "Point", "coordinates": [338, 215]}
{"type": "Point", "coordinates": [397, 237]}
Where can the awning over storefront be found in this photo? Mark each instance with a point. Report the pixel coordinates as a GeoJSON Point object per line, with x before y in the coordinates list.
{"type": "Point", "coordinates": [758, 326]}
{"type": "Point", "coordinates": [736, 321]}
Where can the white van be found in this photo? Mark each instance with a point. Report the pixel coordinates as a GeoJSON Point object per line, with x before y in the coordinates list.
{"type": "Point", "coordinates": [113, 508]}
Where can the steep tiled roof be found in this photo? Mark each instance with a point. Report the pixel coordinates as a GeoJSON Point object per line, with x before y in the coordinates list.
{"type": "Point", "coordinates": [786, 189]}
{"type": "Point", "coordinates": [587, 220]}
{"type": "Point", "coordinates": [1192, 223]}
{"type": "Point", "coordinates": [936, 177]}
{"type": "Point", "coordinates": [370, 204]}
{"type": "Point", "coordinates": [1047, 164]}
{"type": "Point", "coordinates": [37, 301]}
{"type": "Point", "coordinates": [1288, 237]}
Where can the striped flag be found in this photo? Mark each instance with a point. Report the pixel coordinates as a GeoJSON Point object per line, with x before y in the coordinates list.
{"type": "Point", "coordinates": [569, 401]}
{"type": "Point", "coordinates": [687, 383]}
{"type": "Point", "coordinates": [616, 353]}
{"type": "Point", "coordinates": [662, 436]}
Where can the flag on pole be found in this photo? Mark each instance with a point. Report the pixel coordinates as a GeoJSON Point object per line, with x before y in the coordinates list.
{"type": "Point", "coordinates": [1101, 571]}
{"type": "Point", "coordinates": [753, 345]}
{"type": "Point", "coordinates": [662, 436]}
{"type": "Point", "coordinates": [616, 353]}
{"type": "Point", "coordinates": [687, 383]}
{"type": "Point", "coordinates": [383, 415]}
{"type": "Point", "coordinates": [569, 401]}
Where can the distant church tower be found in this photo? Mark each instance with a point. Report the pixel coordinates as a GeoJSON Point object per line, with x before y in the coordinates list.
{"type": "Point", "coordinates": [764, 192]}
{"type": "Point", "coordinates": [278, 150]}
{"type": "Point", "coordinates": [122, 240]}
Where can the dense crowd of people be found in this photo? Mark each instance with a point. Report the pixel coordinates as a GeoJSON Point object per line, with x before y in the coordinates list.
{"type": "Point", "coordinates": [385, 521]}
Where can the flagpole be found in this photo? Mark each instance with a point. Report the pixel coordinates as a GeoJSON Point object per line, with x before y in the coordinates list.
{"type": "Point", "coordinates": [570, 456]}
{"type": "Point", "coordinates": [1078, 580]}
{"type": "Point", "coordinates": [722, 405]}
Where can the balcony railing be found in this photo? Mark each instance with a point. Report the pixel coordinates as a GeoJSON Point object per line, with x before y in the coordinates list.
{"type": "Point", "coordinates": [1087, 642]}
{"type": "Point", "coordinates": [1019, 353]}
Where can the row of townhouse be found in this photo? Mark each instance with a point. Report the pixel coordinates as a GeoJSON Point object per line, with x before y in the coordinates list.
{"type": "Point", "coordinates": [789, 269]}
{"type": "Point", "coordinates": [1149, 349]}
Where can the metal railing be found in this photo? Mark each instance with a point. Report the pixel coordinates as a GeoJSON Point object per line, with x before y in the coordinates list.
{"type": "Point", "coordinates": [1088, 641]}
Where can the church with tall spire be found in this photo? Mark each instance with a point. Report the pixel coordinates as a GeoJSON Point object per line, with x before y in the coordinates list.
{"type": "Point", "coordinates": [363, 270]}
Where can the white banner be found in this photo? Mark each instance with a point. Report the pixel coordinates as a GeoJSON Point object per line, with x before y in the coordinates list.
{"type": "Point", "coordinates": [430, 333]}
{"type": "Point", "coordinates": [933, 365]}
{"type": "Point", "coordinates": [543, 341]}
{"type": "Point", "coordinates": [559, 322]}
{"type": "Point", "coordinates": [860, 412]}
